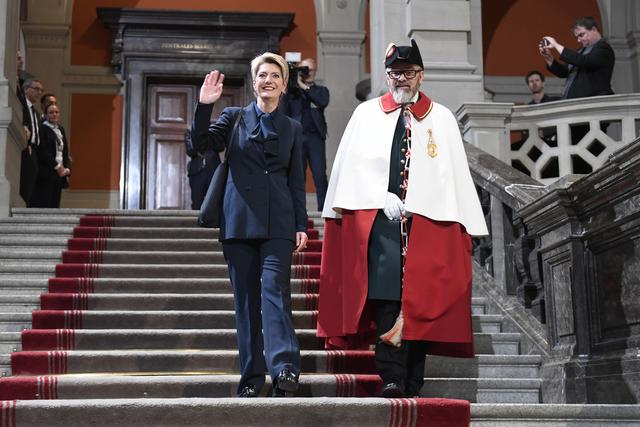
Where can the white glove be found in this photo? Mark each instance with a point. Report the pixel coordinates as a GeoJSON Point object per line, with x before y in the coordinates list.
{"type": "Point", "coordinates": [393, 207]}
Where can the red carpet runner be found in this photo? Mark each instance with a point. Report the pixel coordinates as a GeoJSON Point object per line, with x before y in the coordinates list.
{"type": "Point", "coordinates": [94, 292]}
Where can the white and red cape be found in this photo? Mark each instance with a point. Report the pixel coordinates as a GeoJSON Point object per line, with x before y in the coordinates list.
{"type": "Point", "coordinates": [436, 296]}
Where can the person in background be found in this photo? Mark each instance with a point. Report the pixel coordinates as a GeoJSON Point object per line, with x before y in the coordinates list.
{"type": "Point", "coordinates": [46, 100]}
{"type": "Point", "coordinates": [200, 169]}
{"type": "Point", "coordinates": [30, 115]}
{"type": "Point", "coordinates": [264, 220]}
{"type": "Point", "coordinates": [535, 83]}
{"type": "Point", "coordinates": [588, 70]}
{"type": "Point", "coordinates": [306, 102]}
{"type": "Point", "coordinates": [53, 160]}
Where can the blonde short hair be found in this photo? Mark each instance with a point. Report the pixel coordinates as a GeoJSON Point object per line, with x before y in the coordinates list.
{"type": "Point", "coordinates": [270, 58]}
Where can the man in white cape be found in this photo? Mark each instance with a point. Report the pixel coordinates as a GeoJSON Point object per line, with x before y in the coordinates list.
{"type": "Point", "coordinates": [400, 209]}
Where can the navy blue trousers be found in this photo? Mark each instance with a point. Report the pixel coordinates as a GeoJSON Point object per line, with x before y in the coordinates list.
{"type": "Point", "coordinates": [314, 154]}
{"type": "Point", "coordinates": [260, 271]}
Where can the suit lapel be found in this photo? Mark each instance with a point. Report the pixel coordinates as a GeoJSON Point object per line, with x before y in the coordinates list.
{"type": "Point", "coordinates": [249, 118]}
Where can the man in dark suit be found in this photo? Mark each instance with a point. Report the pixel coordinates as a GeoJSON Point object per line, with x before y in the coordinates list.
{"type": "Point", "coordinates": [588, 71]}
{"type": "Point", "coordinates": [31, 121]}
{"type": "Point", "coordinates": [305, 102]}
{"type": "Point", "coordinates": [200, 169]}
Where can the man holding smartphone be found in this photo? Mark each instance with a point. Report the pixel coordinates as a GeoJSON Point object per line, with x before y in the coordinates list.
{"type": "Point", "coordinates": [588, 71]}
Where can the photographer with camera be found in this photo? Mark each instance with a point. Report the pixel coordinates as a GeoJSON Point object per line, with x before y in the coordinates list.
{"type": "Point", "coordinates": [305, 102]}
{"type": "Point", "coordinates": [588, 71]}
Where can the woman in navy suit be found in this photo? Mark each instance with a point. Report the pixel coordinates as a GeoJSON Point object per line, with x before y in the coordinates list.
{"type": "Point", "coordinates": [264, 220]}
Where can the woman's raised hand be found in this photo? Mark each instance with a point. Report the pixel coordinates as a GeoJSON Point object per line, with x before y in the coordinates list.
{"type": "Point", "coordinates": [211, 89]}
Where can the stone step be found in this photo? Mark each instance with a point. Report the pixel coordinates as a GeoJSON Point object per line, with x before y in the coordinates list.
{"type": "Point", "coordinates": [30, 212]}
{"type": "Point", "coordinates": [115, 386]}
{"type": "Point", "coordinates": [157, 271]}
{"type": "Point", "coordinates": [14, 322]}
{"type": "Point", "coordinates": [27, 269]}
{"type": "Point", "coordinates": [177, 301]}
{"type": "Point", "coordinates": [137, 319]}
{"type": "Point", "coordinates": [187, 360]}
{"type": "Point", "coordinates": [41, 219]}
{"type": "Point", "coordinates": [12, 285]}
{"type": "Point", "coordinates": [154, 285]}
{"type": "Point", "coordinates": [35, 229]}
{"type": "Point", "coordinates": [220, 338]}
{"type": "Point", "coordinates": [160, 302]}
{"type": "Point", "coordinates": [320, 411]}
{"type": "Point", "coordinates": [31, 254]}
{"type": "Point", "coordinates": [10, 342]}
{"type": "Point", "coordinates": [119, 318]}
{"type": "Point", "coordinates": [293, 412]}
{"type": "Point", "coordinates": [554, 415]}
{"type": "Point", "coordinates": [19, 303]}
{"type": "Point", "coordinates": [31, 241]}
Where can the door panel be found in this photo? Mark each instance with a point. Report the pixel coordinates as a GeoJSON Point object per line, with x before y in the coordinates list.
{"type": "Point", "coordinates": [170, 109]}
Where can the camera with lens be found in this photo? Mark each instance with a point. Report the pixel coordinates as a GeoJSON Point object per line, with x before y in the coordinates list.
{"type": "Point", "coordinates": [544, 43]}
{"type": "Point", "coordinates": [294, 73]}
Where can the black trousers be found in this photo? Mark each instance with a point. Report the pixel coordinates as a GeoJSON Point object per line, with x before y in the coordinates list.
{"type": "Point", "coordinates": [402, 365]}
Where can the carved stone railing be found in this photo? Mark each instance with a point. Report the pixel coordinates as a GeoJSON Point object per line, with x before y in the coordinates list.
{"type": "Point", "coordinates": [552, 140]}
{"type": "Point", "coordinates": [570, 254]}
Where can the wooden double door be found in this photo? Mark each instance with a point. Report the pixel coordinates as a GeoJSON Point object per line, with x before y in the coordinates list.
{"type": "Point", "coordinates": [169, 113]}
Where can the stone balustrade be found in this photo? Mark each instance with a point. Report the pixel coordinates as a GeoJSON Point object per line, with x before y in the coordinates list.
{"type": "Point", "coordinates": [555, 139]}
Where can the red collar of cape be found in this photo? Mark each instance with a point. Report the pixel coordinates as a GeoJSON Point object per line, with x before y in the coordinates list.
{"type": "Point", "coordinates": [420, 109]}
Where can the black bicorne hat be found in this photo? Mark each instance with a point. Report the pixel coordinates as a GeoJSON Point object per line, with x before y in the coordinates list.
{"type": "Point", "coordinates": [408, 54]}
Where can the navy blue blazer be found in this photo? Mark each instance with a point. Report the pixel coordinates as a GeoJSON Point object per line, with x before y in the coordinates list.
{"type": "Point", "coordinates": [265, 195]}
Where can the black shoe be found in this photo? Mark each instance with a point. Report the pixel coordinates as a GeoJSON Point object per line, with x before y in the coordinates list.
{"type": "Point", "coordinates": [286, 381]}
{"type": "Point", "coordinates": [392, 390]}
{"type": "Point", "coordinates": [248, 391]}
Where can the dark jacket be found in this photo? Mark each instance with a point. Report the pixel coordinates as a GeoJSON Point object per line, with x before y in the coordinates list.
{"type": "Point", "coordinates": [594, 70]}
{"type": "Point", "coordinates": [265, 194]}
{"type": "Point", "coordinates": [200, 160]}
{"type": "Point", "coordinates": [308, 105]}
{"type": "Point", "coordinates": [47, 156]}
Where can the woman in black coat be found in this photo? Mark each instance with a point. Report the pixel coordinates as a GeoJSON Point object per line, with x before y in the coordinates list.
{"type": "Point", "coordinates": [264, 220]}
{"type": "Point", "coordinates": [54, 162]}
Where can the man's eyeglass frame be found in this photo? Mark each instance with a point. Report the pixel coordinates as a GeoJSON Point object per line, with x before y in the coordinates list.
{"type": "Point", "coordinates": [408, 74]}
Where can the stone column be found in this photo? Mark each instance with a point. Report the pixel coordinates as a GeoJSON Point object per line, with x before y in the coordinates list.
{"type": "Point", "coordinates": [339, 50]}
{"type": "Point", "coordinates": [12, 139]}
{"type": "Point", "coordinates": [621, 22]}
{"type": "Point", "coordinates": [387, 24]}
{"type": "Point", "coordinates": [46, 34]}
{"type": "Point", "coordinates": [449, 35]}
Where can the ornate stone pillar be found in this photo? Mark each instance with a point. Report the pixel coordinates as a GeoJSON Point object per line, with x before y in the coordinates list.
{"type": "Point", "coordinates": [12, 139]}
{"type": "Point", "coordinates": [339, 52]}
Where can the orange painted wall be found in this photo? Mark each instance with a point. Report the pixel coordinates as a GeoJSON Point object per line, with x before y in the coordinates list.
{"type": "Point", "coordinates": [96, 136]}
{"type": "Point", "coordinates": [91, 40]}
{"type": "Point", "coordinates": [513, 28]}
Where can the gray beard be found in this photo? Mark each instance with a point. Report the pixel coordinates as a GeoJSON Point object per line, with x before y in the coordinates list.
{"type": "Point", "coordinates": [402, 96]}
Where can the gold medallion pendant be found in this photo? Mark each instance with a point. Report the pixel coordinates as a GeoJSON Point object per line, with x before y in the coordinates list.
{"type": "Point", "coordinates": [432, 148]}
